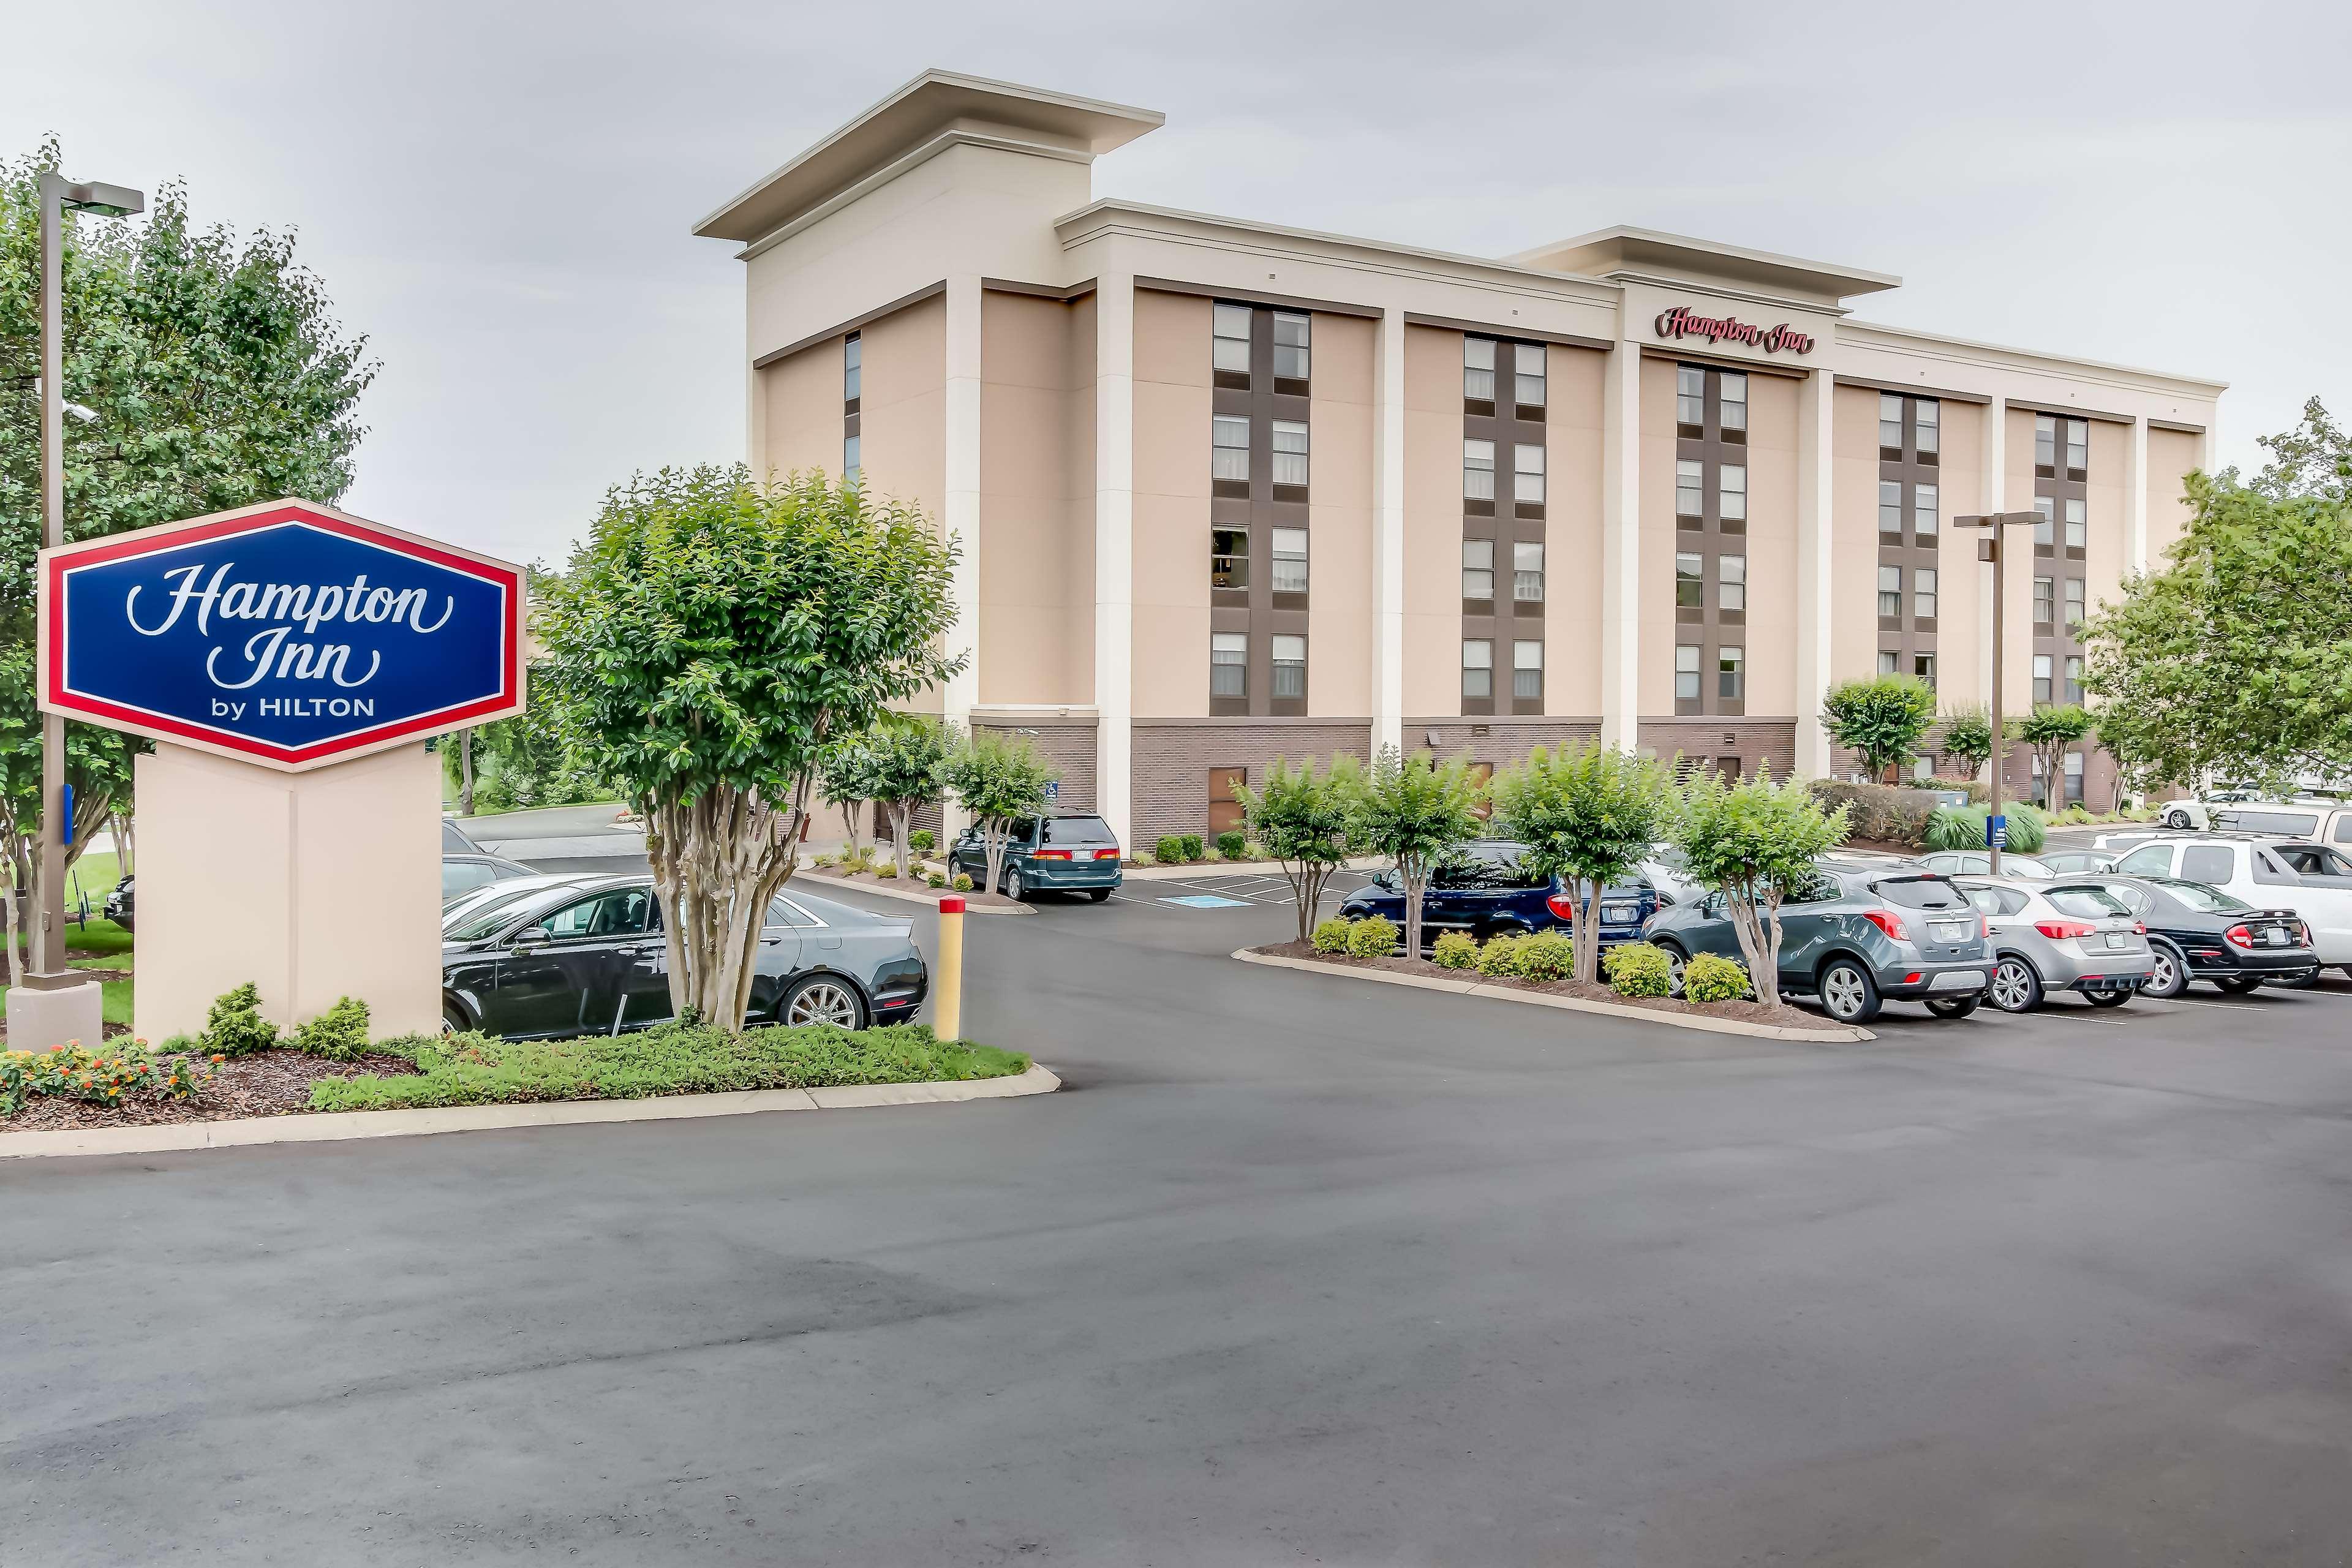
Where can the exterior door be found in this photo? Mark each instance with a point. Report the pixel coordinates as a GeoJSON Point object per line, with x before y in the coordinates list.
{"type": "Point", "coordinates": [1225, 799]}
{"type": "Point", "coordinates": [573, 981]}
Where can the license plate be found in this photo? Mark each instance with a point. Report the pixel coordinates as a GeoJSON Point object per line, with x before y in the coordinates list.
{"type": "Point", "coordinates": [1950, 931]}
{"type": "Point", "coordinates": [1617, 914]}
{"type": "Point", "coordinates": [2275, 937]}
{"type": "Point", "coordinates": [2117, 939]}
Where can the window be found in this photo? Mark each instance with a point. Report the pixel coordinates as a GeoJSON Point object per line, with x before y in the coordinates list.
{"type": "Point", "coordinates": [853, 462]}
{"type": "Point", "coordinates": [2045, 535]}
{"type": "Point", "coordinates": [1289, 562]}
{"type": "Point", "coordinates": [1889, 661]}
{"type": "Point", "coordinates": [2207, 863]}
{"type": "Point", "coordinates": [1228, 664]}
{"type": "Point", "coordinates": [1290, 348]}
{"type": "Point", "coordinates": [1690, 488]}
{"type": "Point", "coordinates": [1479, 370]}
{"type": "Point", "coordinates": [2078, 446]}
{"type": "Point", "coordinates": [1731, 581]}
{"type": "Point", "coordinates": [1690, 581]}
{"type": "Point", "coordinates": [1686, 673]}
{"type": "Point", "coordinates": [1477, 668]}
{"type": "Point", "coordinates": [1730, 682]}
{"type": "Point", "coordinates": [1528, 474]}
{"type": "Point", "coordinates": [1229, 350]}
{"type": "Point", "coordinates": [2148, 861]}
{"type": "Point", "coordinates": [1229, 558]}
{"type": "Point", "coordinates": [1890, 427]}
{"type": "Point", "coordinates": [1924, 511]}
{"type": "Point", "coordinates": [1690, 396]}
{"type": "Point", "coordinates": [2045, 441]}
{"type": "Point", "coordinates": [1229, 446]}
{"type": "Point", "coordinates": [1290, 453]}
{"type": "Point", "coordinates": [853, 366]}
{"type": "Point", "coordinates": [2074, 525]}
{"type": "Point", "coordinates": [1477, 470]}
{"type": "Point", "coordinates": [1925, 427]}
{"type": "Point", "coordinates": [1526, 573]}
{"type": "Point", "coordinates": [1289, 666]}
{"type": "Point", "coordinates": [1531, 360]}
{"type": "Point", "coordinates": [1890, 591]}
{"type": "Point", "coordinates": [1734, 402]}
{"type": "Point", "coordinates": [1731, 495]}
{"type": "Point", "coordinates": [2074, 678]}
{"type": "Point", "coordinates": [2042, 678]}
{"type": "Point", "coordinates": [2074, 767]}
{"type": "Point", "coordinates": [2041, 601]}
{"type": "Point", "coordinates": [621, 912]}
{"type": "Point", "coordinates": [2075, 602]}
{"type": "Point", "coordinates": [1923, 593]}
{"type": "Point", "coordinates": [1923, 667]}
{"type": "Point", "coordinates": [1890, 509]}
{"type": "Point", "coordinates": [1477, 568]}
{"type": "Point", "coordinates": [1527, 669]}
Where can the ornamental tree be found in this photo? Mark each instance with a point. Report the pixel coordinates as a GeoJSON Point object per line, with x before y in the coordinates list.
{"type": "Point", "coordinates": [909, 750]}
{"type": "Point", "coordinates": [1307, 821]}
{"type": "Point", "coordinates": [1001, 781]}
{"type": "Point", "coordinates": [1883, 719]}
{"type": "Point", "coordinates": [711, 640]}
{"type": "Point", "coordinates": [845, 776]}
{"type": "Point", "coordinates": [1968, 737]}
{"type": "Point", "coordinates": [1588, 814]}
{"type": "Point", "coordinates": [2050, 729]}
{"type": "Point", "coordinates": [1752, 841]}
{"type": "Point", "coordinates": [1415, 811]}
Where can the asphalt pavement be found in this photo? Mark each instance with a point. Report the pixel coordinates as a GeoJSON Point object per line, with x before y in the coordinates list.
{"type": "Point", "coordinates": [1296, 1269]}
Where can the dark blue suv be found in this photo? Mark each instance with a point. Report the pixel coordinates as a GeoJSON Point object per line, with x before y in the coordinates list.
{"type": "Point", "coordinates": [1483, 893]}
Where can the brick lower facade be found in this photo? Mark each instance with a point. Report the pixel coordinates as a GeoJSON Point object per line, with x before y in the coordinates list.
{"type": "Point", "coordinates": [1171, 758]}
{"type": "Point", "coordinates": [1500, 742]}
{"type": "Point", "coordinates": [1067, 743]}
{"type": "Point", "coordinates": [1755, 742]}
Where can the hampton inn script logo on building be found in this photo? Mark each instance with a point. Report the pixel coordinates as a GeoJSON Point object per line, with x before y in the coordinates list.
{"type": "Point", "coordinates": [1680, 322]}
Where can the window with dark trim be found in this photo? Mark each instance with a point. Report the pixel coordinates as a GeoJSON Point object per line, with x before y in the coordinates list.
{"type": "Point", "coordinates": [1712, 421]}
{"type": "Point", "coordinates": [1261, 470]}
{"type": "Point", "coordinates": [1477, 669]}
{"type": "Point", "coordinates": [1506, 386]}
{"type": "Point", "coordinates": [853, 422]}
{"type": "Point", "coordinates": [1910, 528]}
{"type": "Point", "coordinates": [1229, 664]}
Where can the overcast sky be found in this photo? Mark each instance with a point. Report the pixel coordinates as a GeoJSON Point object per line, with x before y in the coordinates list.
{"type": "Point", "coordinates": [498, 195]}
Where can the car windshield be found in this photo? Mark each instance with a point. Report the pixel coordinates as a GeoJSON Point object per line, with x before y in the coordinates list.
{"type": "Point", "coordinates": [1920, 893]}
{"type": "Point", "coordinates": [476, 922]}
{"type": "Point", "coordinates": [2086, 903]}
{"type": "Point", "coordinates": [2198, 896]}
{"type": "Point", "coordinates": [1077, 830]}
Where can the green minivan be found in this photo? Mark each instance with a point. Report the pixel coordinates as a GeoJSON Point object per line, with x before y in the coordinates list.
{"type": "Point", "coordinates": [1076, 853]}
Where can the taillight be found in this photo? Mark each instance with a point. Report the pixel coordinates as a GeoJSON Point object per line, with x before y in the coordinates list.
{"type": "Point", "coordinates": [2238, 936]}
{"type": "Point", "coordinates": [1562, 905]}
{"type": "Point", "coordinates": [2305, 927]}
{"type": "Point", "coordinates": [2062, 931]}
{"type": "Point", "coordinates": [1052, 855]}
{"type": "Point", "coordinates": [2139, 928]}
{"type": "Point", "coordinates": [1888, 921]}
{"type": "Point", "coordinates": [1109, 854]}
{"type": "Point", "coordinates": [1984, 929]}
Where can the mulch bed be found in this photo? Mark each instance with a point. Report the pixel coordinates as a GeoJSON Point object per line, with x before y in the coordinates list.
{"type": "Point", "coordinates": [1775, 1013]}
{"type": "Point", "coordinates": [267, 1083]}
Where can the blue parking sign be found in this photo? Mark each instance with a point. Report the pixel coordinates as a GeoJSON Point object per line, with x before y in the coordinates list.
{"type": "Point", "coordinates": [1052, 789]}
{"type": "Point", "coordinates": [1997, 832]}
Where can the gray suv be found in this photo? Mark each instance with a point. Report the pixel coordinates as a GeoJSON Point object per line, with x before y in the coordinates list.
{"type": "Point", "coordinates": [1856, 936]}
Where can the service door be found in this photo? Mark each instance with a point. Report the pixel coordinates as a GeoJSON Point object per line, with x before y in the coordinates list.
{"type": "Point", "coordinates": [1225, 799]}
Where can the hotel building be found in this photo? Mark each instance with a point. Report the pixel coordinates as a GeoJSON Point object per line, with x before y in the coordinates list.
{"type": "Point", "coordinates": [1227, 490]}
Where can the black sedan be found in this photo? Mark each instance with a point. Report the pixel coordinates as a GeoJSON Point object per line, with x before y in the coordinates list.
{"type": "Point", "coordinates": [121, 902]}
{"type": "Point", "coordinates": [2197, 933]}
{"type": "Point", "coordinates": [1483, 891]}
{"type": "Point", "coordinates": [541, 957]}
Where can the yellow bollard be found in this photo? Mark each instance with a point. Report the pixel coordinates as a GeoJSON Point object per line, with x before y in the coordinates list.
{"type": "Point", "coordinates": [947, 981]}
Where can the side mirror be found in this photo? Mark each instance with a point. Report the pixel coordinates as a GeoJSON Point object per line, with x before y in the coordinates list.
{"type": "Point", "coordinates": [1385, 881]}
{"type": "Point", "coordinates": [533, 937]}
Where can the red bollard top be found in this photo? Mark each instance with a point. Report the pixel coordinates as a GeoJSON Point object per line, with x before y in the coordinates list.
{"type": "Point", "coordinates": [951, 903]}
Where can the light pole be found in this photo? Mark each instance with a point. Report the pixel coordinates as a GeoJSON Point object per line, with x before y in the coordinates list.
{"type": "Point", "coordinates": [58, 197]}
{"type": "Point", "coordinates": [1996, 524]}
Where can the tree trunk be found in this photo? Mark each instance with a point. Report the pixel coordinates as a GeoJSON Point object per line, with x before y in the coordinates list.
{"type": "Point", "coordinates": [995, 834]}
{"type": "Point", "coordinates": [849, 819]}
{"type": "Point", "coordinates": [719, 858]}
{"type": "Point", "coordinates": [1761, 954]}
{"type": "Point", "coordinates": [121, 827]}
{"type": "Point", "coordinates": [1413, 889]}
{"type": "Point", "coordinates": [903, 814]}
{"type": "Point", "coordinates": [1587, 953]}
{"type": "Point", "coordinates": [16, 951]}
{"type": "Point", "coordinates": [1306, 883]}
{"type": "Point", "coordinates": [466, 771]}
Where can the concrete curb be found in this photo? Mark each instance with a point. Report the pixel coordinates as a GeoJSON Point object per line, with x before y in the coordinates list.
{"type": "Point", "coordinates": [333, 1126]}
{"type": "Point", "coordinates": [1832, 1034]}
{"type": "Point", "coordinates": [1228, 868]}
{"type": "Point", "coordinates": [929, 897]}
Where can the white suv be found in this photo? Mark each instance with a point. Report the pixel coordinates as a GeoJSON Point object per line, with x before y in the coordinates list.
{"type": "Point", "coordinates": [2266, 875]}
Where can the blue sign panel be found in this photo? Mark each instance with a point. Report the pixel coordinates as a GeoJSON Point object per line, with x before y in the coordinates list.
{"type": "Point", "coordinates": [1997, 832]}
{"type": "Point", "coordinates": [288, 634]}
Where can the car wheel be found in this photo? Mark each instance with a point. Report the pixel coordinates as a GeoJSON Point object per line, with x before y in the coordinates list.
{"type": "Point", "coordinates": [1676, 961]}
{"type": "Point", "coordinates": [453, 1020]}
{"type": "Point", "coordinates": [2015, 987]}
{"type": "Point", "coordinates": [1954, 1006]}
{"type": "Point", "coordinates": [2108, 998]}
{"type": "Point", "coordinates": [1014, 888]}
{"type": "Point", "coordinates": [823, 999]}
{"type": "Point", "coordinates": [2171, 973]}
{"type": "Point", "coordinates": [2176, 819]}
{"type": "Point", "coordinates": [1098, 894]}
{"type": "Point", "coordinates": [2237, 984]}
{"type": "Point", "coordinates": [1847, 992]}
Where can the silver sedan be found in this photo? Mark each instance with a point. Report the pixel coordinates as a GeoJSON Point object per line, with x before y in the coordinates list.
{"type": "Point", "coordinates": [2059, 937]}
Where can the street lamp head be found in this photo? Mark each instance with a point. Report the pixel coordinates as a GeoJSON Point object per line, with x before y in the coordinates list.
{"type": "Point", "coordinates": [81, 413]}
{"type": "Point", "coordinates": [105, 200]}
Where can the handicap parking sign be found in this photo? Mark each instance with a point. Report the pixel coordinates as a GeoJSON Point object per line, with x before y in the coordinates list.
{"type": "Point", "coordinates": [1997, 832]}
{"type": "Point", "coordinates": [1052, 789]}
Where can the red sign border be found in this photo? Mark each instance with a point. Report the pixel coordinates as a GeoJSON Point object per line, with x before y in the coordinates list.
{"type": "Point", "coordinates": [55, 563]}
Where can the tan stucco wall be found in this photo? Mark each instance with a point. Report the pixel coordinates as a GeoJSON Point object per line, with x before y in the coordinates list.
{"type": "Point", "coordinates": [1433, 521]}
{"type": "Point", "coordinates": [1771, 548]}
{"type": "Point", "coordinates": [1340, 519]}
{"type": "Point", "coordinates": [1853, 533]}
{"type": "Point", "coordinates": [2171, 457]}
{"type": "Point", "coordinates": [1036, 501]}
{"type": "Point", "coordinates": [802, 395]}
{"type": "Point", "coordinates": [903, 403]}
{"type": "Point", "coordinates": [1658, 508]}
{"type": "Point", "coordinates": [2106, 548]}
{"type": "Point", "coordinates": [1572, 436]}
{"type": "Point", "coordinates": [1961, 579]}
{"type": "Point", "coordinates": [1171, 506]}
{"type": "Point", "coordinates": [2019, 568]}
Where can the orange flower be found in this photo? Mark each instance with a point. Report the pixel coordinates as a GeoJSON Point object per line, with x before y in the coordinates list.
{"type": "Point", "coordinates": [220, 1058]}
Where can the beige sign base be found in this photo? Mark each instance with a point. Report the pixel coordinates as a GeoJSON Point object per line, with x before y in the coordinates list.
{"type": "Point", "coordinates": [313, 886]}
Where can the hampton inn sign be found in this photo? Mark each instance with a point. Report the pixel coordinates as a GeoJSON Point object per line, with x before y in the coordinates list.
{"type": "Point", "coordinates": [1679, 322]}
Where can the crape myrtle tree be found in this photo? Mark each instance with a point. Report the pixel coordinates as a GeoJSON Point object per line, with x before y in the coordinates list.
{"type": "Point", "coordinates": [1305, 819]}
{"type": "Point", "coordinates": [711, 639]}
{"type": "Point", "coordinates": [2049, 730]}
{"type": "Point", "coordinates": [1752, 841]}
{"type": "Point", "coordinates": [1588, 814]}
{"type": "Point", "coordinates": [1968, 737]}
{"type": "Point", "coordinates": [1416, 812]}
{"type": "Point", "coordinates": [845, 776]}
{"type": "Point", "coordinates": [999, 781]}
{"type": "Point", "coordinates": [1882, 720]}
{"type": "Point", "coordinates": [908, 751]}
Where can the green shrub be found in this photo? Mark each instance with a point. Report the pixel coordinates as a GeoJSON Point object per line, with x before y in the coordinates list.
{"type": "Point", "coordinates": [1638, 969]}
{"type": "Point", "coordinates": [1547, 955]}
{"type": "Point", "coordinates": [1372, 937]}
{"type": "Point", "coordinates": [1170, 849]}
{"type": "Point", "coordinates": [1193, 849]}
{"type": "Point", "coordinates": [887, 870]}
{"type": "Point", "coordinates": [339, 1033]}
{"type": "Point", "coordinates": [963, 884]}
{"type": "Point", "coordinates": [1331, 936]}
{"type": "Point", "coordinates": [822, 862]}
{"type": "Point", "coordinates": [937, 878]}
{"type": "Point", "coordinates": [1456, 951]}
{"type": "Point", "coordinates": [921, 841]}
{"type": "Point", "coordinates": [1964, 827]}
{"type": "Point", "coordinates": [1879, 812]}
{"type": "Point", "coordinates": [1499, 955]}
{"type": "Point", "coordinates": [235, 1027]}
{"type": "Point", "coordinates": [1711, 977]}
{"type": "Point", "coordinates": [1233, 845]}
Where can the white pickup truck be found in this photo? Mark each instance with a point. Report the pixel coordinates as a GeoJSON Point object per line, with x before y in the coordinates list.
{"type": "Point", "coordinates": [2312, 879]}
